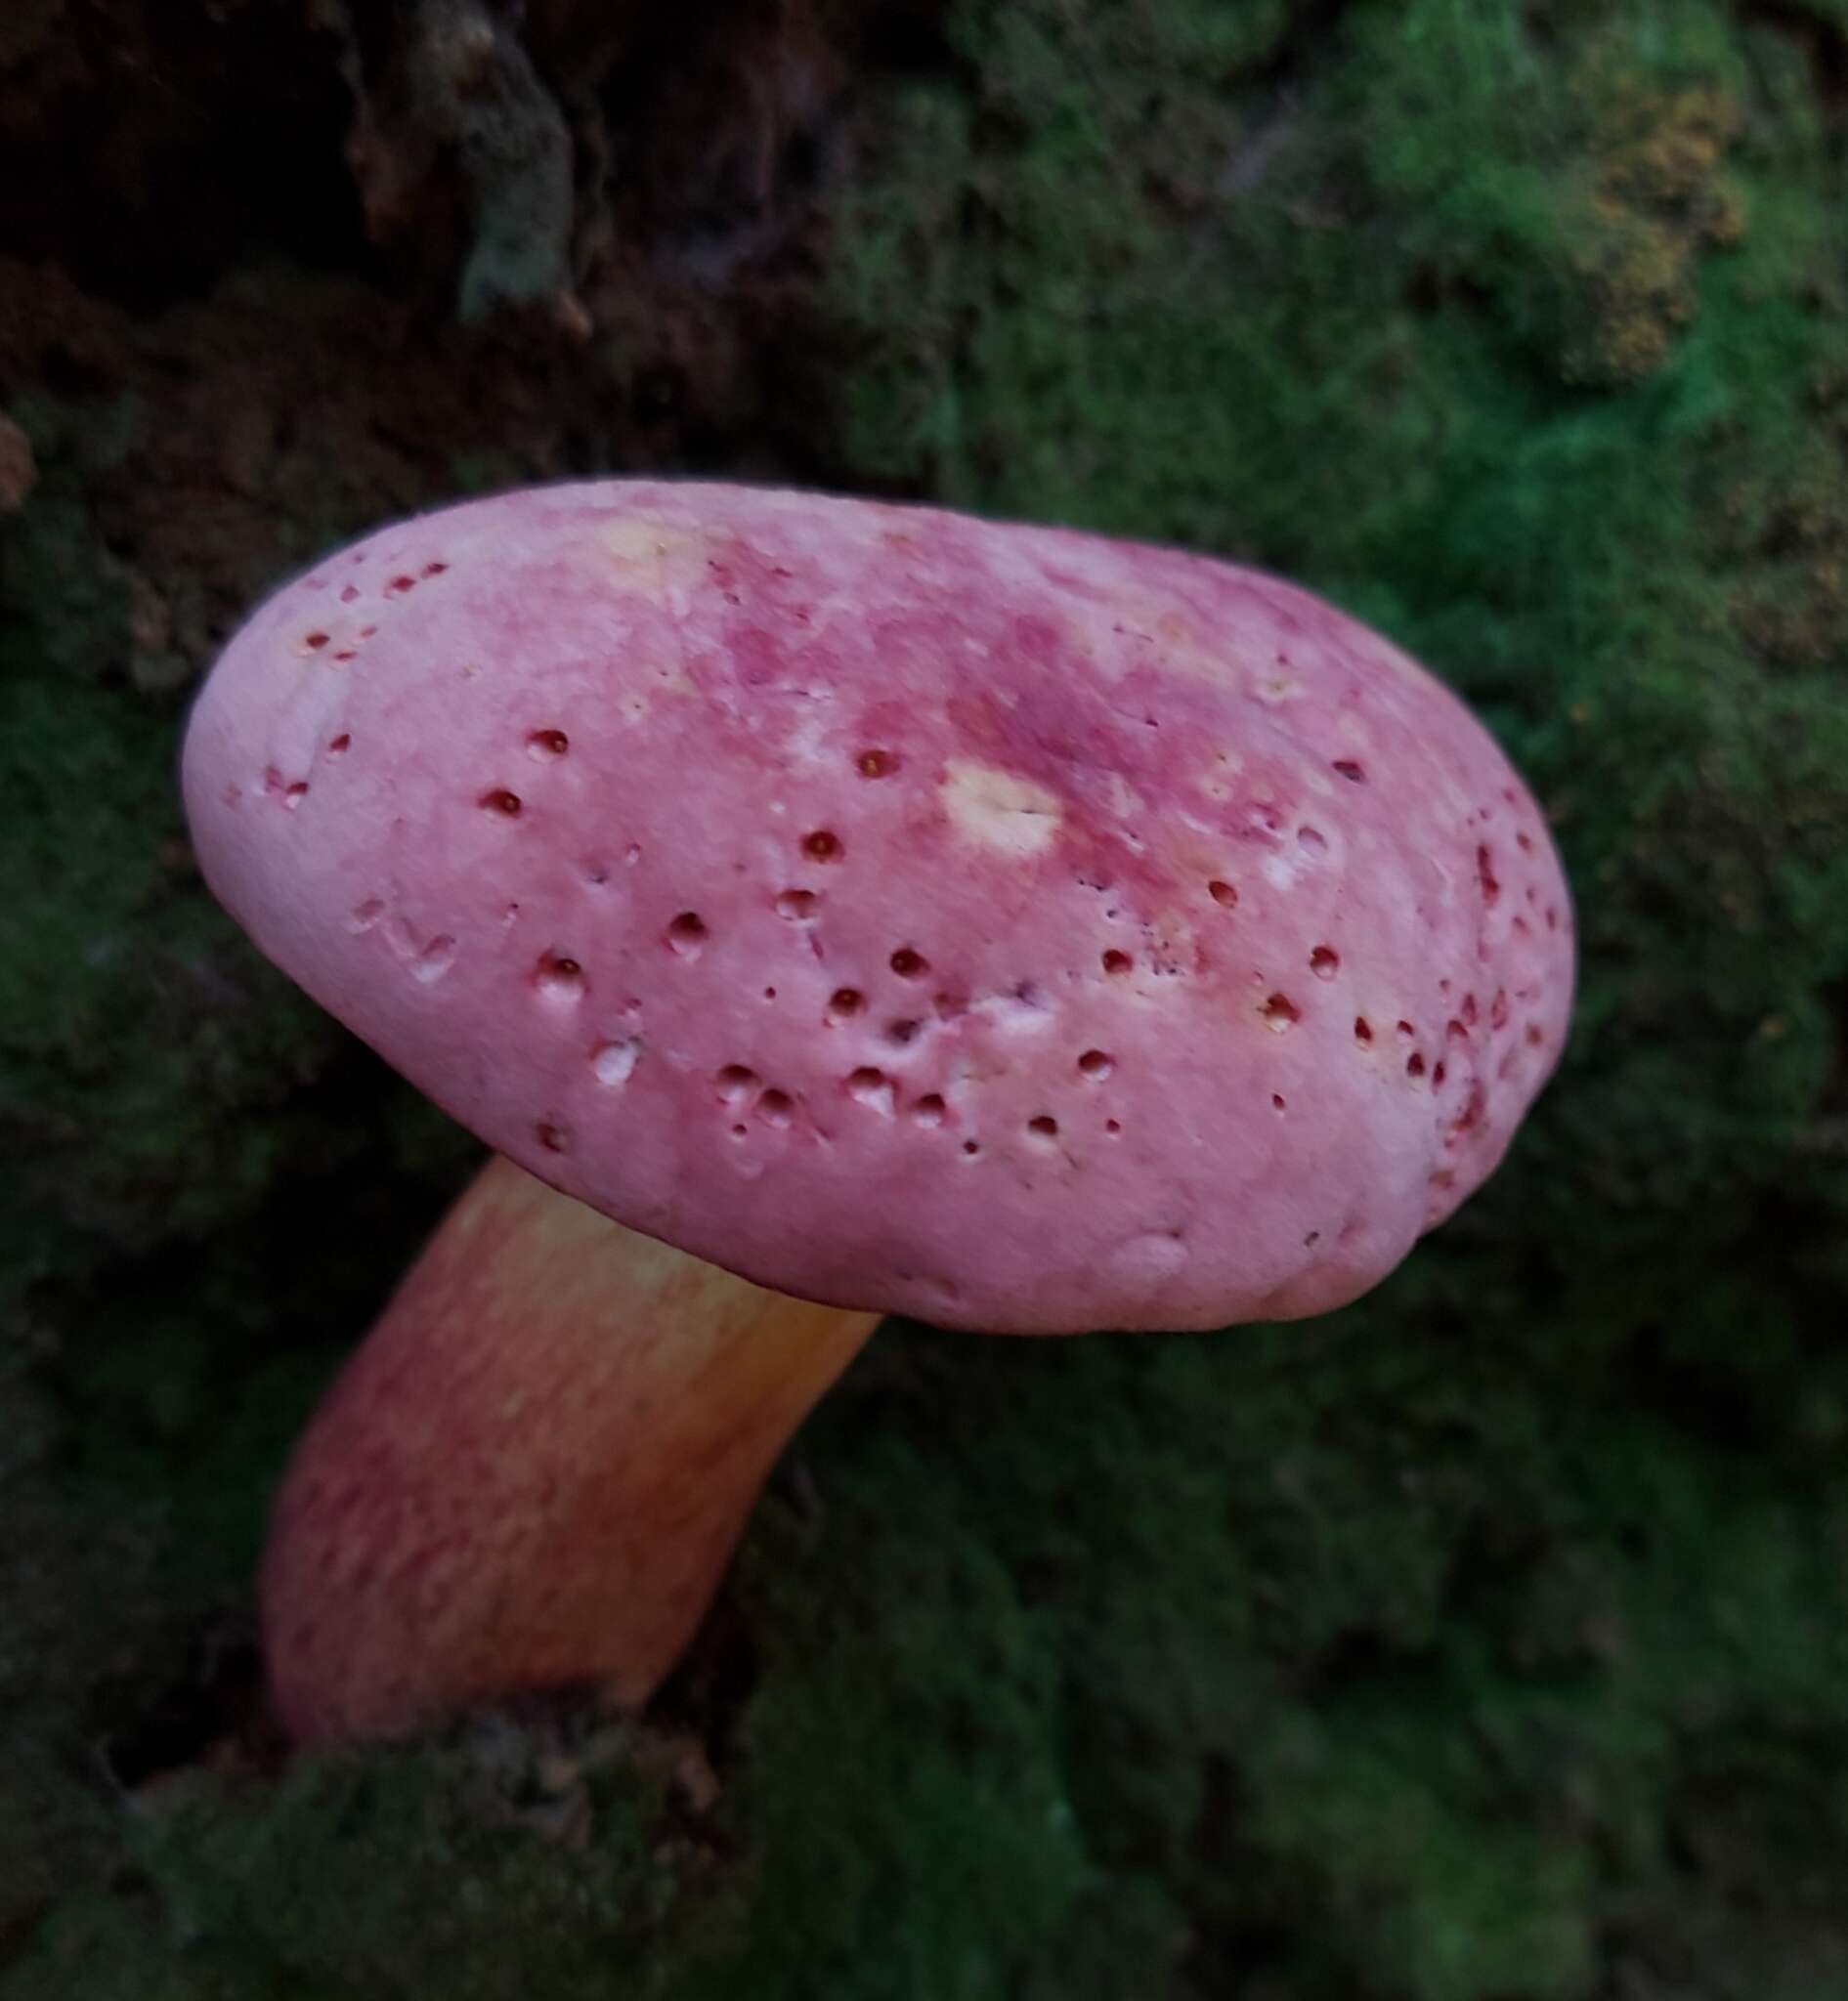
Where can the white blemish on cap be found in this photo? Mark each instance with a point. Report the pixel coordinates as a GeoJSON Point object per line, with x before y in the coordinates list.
{"type": "Point", "coordinates": [1026, 1009]}
{"type": "Point", "coordinates": [1143, 1261]}
{"type": "Point", "coordinates": [999, 809]}
{"type": "Point", "coordinates": [649, 544]}
{"type": "Point", "coordinates": [807, 739]}
{"type": "Point", "coordinates": [613, 1063]}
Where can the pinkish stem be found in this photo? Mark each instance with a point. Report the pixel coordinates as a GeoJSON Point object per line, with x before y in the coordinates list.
{"type": "Point", "coordinates": [534, 1471]}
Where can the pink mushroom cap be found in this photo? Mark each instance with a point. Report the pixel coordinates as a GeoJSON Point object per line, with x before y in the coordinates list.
{"type": "Point", "coordinates": [1008, 926]}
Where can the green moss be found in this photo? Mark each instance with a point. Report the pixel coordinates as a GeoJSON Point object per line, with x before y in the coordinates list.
{"type": "Point", "coordinates": [1373, 1658]}
{"type": "Point", "coordinates": [948, 1851]}
{"type": "Point", "coordinates": [412, 1870]}
{"type": "Point", "coordinates": [1487, 1639]}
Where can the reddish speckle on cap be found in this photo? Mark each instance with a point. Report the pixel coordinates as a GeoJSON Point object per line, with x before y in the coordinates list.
{"type": "Point", "coordinates": [1000, 902]}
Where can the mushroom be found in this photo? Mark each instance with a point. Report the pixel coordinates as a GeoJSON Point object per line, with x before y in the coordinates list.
{"type": "Point", "coordinates": [1020, 930]}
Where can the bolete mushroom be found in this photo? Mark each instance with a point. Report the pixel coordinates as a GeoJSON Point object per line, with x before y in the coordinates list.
{"type": "Point", "coordinates": [1017, 930]}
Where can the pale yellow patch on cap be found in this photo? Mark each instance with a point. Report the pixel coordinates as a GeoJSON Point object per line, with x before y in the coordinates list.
{"type": "Point", "coordinates": [1274, 685]}
{"type": "Point", "coordinates": [1000, 810]}
{"type": "Point", "coordinates": [1145, 631]}
{"type": "Point", "coordinates": [653, 556]}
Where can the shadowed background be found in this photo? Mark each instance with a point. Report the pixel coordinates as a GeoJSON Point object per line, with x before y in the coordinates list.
{"type": "Point", "coordinates": [1486, 1641]}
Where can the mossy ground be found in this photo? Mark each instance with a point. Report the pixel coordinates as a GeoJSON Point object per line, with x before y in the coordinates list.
{"type": "Point", "coordinates": [1487, 1641]}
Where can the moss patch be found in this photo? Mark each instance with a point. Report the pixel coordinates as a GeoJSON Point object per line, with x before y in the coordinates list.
{"type": "Point", "coordinates": [1484, 1640]}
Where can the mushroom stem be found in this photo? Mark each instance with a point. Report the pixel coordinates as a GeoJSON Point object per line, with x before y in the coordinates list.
{"type": "Point", "coordinates": [534, 1470]}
